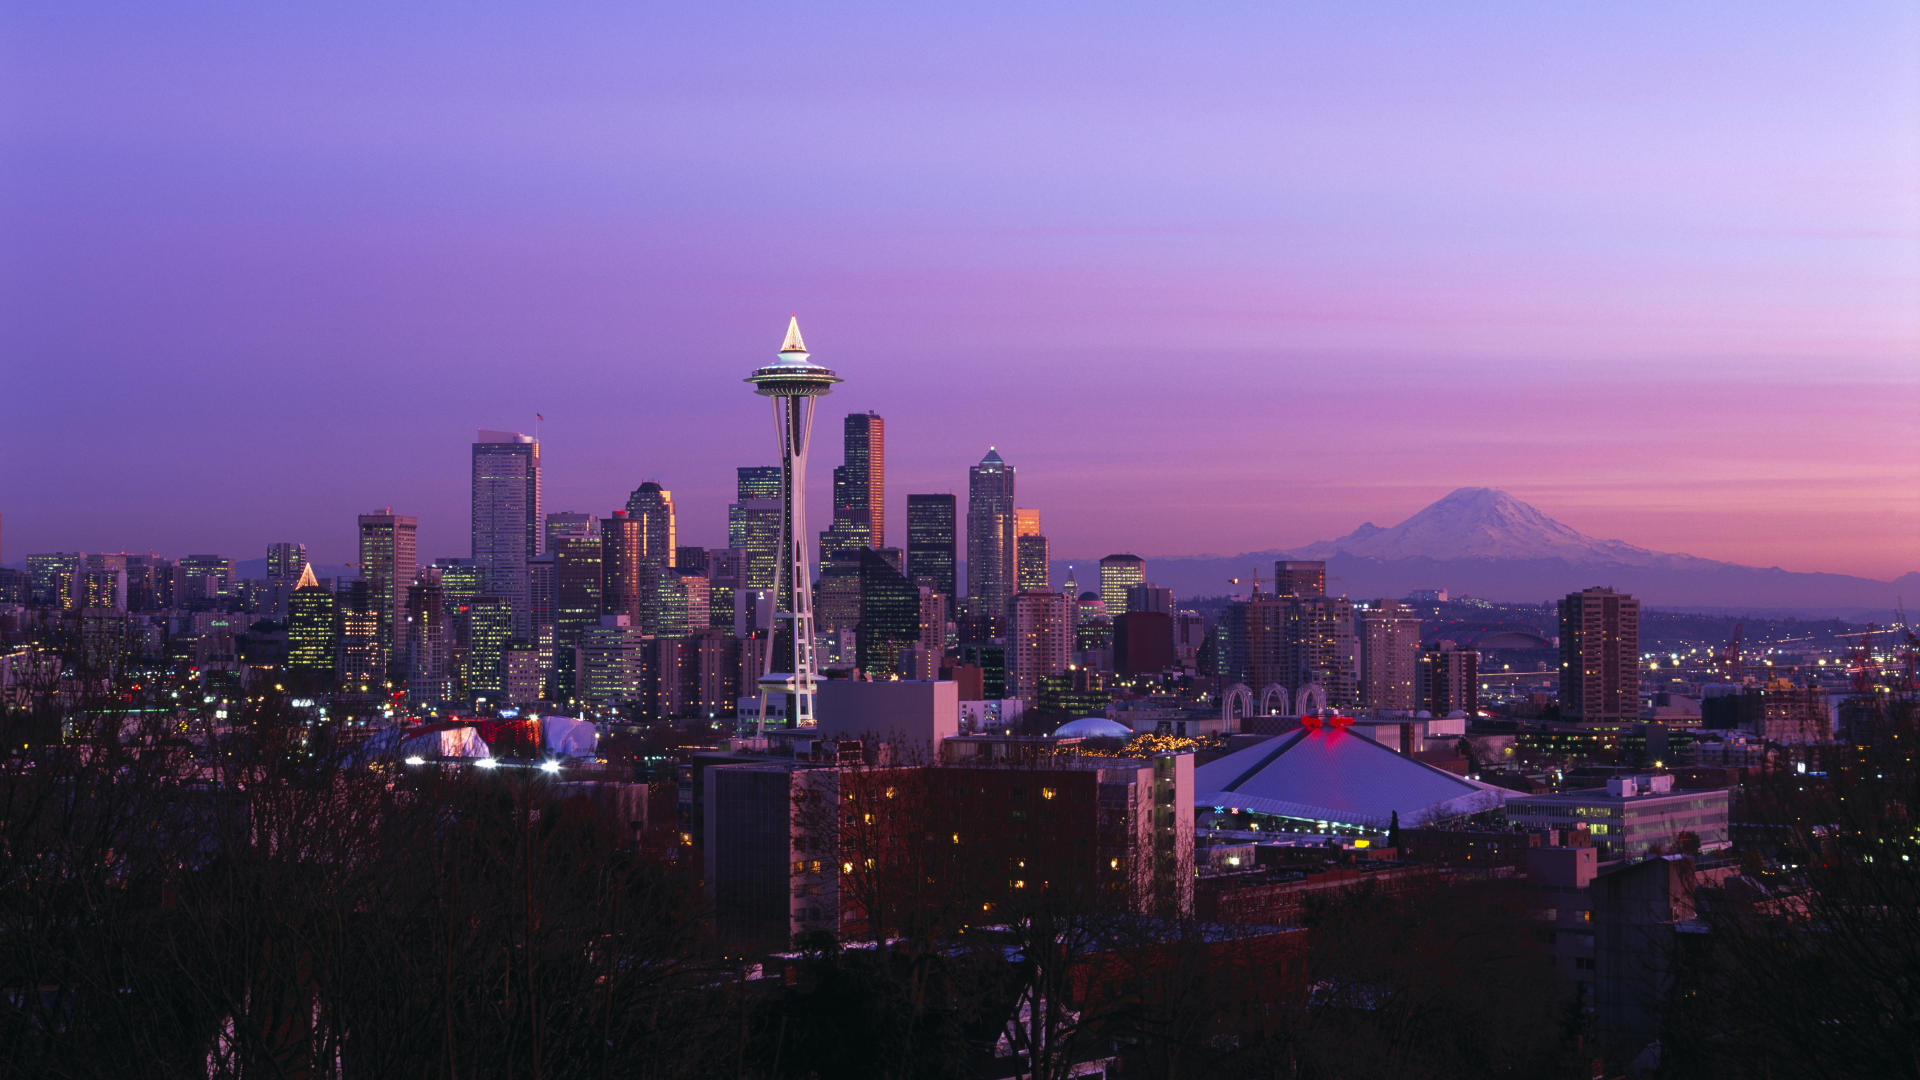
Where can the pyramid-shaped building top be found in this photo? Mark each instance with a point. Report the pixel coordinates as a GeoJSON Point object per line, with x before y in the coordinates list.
{"type": "Point", "coordinates": [1331, 774]}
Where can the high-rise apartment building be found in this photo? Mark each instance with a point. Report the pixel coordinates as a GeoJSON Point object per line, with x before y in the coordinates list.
{"type": "Point", "coordinates": [506, 517]}
{"type": "Point", "coordinates": [359, 658]}
{"type": "Point", "coordinates": [1118, 573]}
{"type": "Point", "coordinates": [1390, 658]}
{"type": "Point", "coordinates": [388, 560]}
{"type": "Point", "coordinates": [1039, 641]}
{"type": "Point", "coordinates": [933, 543]}
{"type": "Point", "coordinates": [1034, 571]}
{"type": "Point", "coordinates": [1599, 656]}
{"type": "Point", "coordinates": [990, 552]}
{"type": "Point", "coordinates": [1322, 649]}
{"type": "Point", "coordinates": [1450, 680]}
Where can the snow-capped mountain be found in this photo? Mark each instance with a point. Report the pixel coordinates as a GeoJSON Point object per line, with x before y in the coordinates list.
{"type": "Point", "coordinates": [1487, 523]}
{"type": "Point", "coordinates": [1485, 542]}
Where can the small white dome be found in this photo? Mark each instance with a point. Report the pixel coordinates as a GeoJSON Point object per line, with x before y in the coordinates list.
{"type": "Point", "coordinates": [1093, 727]}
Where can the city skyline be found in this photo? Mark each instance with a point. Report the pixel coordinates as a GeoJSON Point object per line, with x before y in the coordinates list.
{"type": "Point", "coordinates": [1700, 233]}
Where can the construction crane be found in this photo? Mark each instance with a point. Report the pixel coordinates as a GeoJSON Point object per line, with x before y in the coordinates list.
{"type": "Point", "coordinates": [1253, 581]}
{"type": "Point", "coordinates": [1730, 658]}
{"type": "Point", "coordinates": [1860, 663]}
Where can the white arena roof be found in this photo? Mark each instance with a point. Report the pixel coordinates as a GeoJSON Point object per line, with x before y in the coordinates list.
{"type": "Point", "coordinates": [1331, 774]}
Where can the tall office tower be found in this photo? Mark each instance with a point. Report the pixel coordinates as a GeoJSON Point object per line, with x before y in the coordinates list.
{"type": "Point", "coordinates": [1300, 578]}
{"type": "Point", "coordinates": [1033, 571]}
{"type": "Point", "coordinates": [932, 544]}
{"type": "Point", "coordinates": [696, 559]}
{"type": "Point", "coordinates": [1449, 679]}
{"type": "Point", "coordinates": [1039, 641]}
{"type": "Point", "coordinates": [1150, 598]}
{"type": "Point", "coordinates": [540, 586]}
{"type": "Point", "coordinates": [482, 627]}
{"type": "Point", "coordinates": [652, 506]}
{"type": "Point", "coordinates": [1118, 573]}
{"type": "Point", "coordinates": [1092, 626]}
{"type": "Point", "coordinates": [358, 659]}
{"type": "Point", "coordinates": [990, 555]}
{"type": "Point", "coordinates": [1390, 658]}
{"type": "Point", "coordinates": [726, 569]}
{"type": "Point", "coordinates": [310, 626]}
{"type": "Point", "coordinates": [388, 561]}
{"type": "Point", "coordinates": [569, 523]}
{"type": "Point", "coordinates": [793, 382]}
{"type": "Point", "coordinates": [611, 663]}
{"type": "Point", "coordinates": [506, 517]}
{"type": "Point", "coordinates": [859, 491]}
{"type": "Point", "coordinates": [1599, 656]}
{"type": "Point", "coordinates": [1322, 648]}
{"type": "Point", "coordinates": [429, 640]}
{"type": "Point", "coordinates": [889, 616]}
{"type": "Point", "coordinates": [577, 570]}
{"type": "Point", "coordinates": [285, 561]}
{"type": "Point", "coordinates": [836, 595]}
{"type": "Point", "coordinates": [461, 579]}
{"type": "Point", "coordinates": [753, 523]}
{"type": "Point", "coordinates": [1026, 522]}
{"type": "Point", "coordinates": [621, 568]}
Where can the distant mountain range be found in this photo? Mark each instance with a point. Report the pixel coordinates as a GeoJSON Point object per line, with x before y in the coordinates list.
{"type": "Point", "coordinates": [1486, 543]}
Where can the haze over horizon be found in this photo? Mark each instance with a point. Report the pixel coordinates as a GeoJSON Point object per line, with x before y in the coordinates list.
{"type": "Point", "coordinates": [1215, 284]}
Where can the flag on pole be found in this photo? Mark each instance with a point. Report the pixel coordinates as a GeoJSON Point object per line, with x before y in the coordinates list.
{"type": "Point", "coordinates": [538, 416]}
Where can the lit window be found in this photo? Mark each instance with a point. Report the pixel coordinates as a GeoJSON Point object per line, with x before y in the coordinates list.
{"type": "Point", "coordinates": [1046, 793]}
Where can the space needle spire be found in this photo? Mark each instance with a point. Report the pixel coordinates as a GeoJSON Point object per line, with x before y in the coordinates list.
{"type": "Point", "coordinates": [792, 381]}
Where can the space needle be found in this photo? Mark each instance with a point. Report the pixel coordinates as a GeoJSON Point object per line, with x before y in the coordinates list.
{"type": "Point", "coordinates": [792, 381]}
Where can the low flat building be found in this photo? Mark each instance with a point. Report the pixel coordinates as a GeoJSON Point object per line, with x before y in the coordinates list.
{"type": "Point", "coordinates": [1631, 817]}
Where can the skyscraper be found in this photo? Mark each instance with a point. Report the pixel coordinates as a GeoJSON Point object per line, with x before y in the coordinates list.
{"type": "Point", "coordinates": [569, 523]}
{"type": "Point", "coordinates": [506, 517]}
{"type": "Point", "coordinates": [388, 560]}
{"type": "Point", "coordinates": [1300, 578]}
{"type": "Point", "coordinates": [753, 523]}
{"type": "Point", "coordinates": [1599, 656]}
{"type": "Point", "coordinates": [990, 553]}
{"type": "Point", "coordinates": [932, 543]}
{"type": "Point", "coordinates": [285, 561]}
{"type": "Point", "coordinates": [859, 490]}
{"type": "Point", "coordinates": [1390, 658]}
{"type": "Point", "coordinates": [1032, 553]}
{"type": "Point", "coordinates": [793, 381]}
{"type": "Point", "coordinates": [429, 627]}
{"type": "Point", "coordinates": [621, 569]}
{"type": "Point", "coordinates": [652, 506]}
{"type": "Point", "coordinates": [1322, 648]}
{"type": "Point", "coordinates": [889, 615]}
{"type": "Point", "coordinates": [1118, 573]}
{"type": "Point", "coordinates": [577, 570]}
{"type": "Point", "coordinates": [1039, 641]}
{"type": "Point", "coordinates": [310, 626]}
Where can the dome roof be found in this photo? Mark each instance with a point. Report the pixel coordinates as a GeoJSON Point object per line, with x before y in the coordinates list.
{"type": "Point", "coordinates": [1093, 727]}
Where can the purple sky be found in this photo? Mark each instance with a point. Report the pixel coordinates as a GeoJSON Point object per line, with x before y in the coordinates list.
{"type": "Point", "coordinates": [1211, 282]}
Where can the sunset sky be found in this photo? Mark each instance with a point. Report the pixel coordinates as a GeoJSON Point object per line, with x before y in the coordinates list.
{"type": "Point", "coordinates": [1212, 280]}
